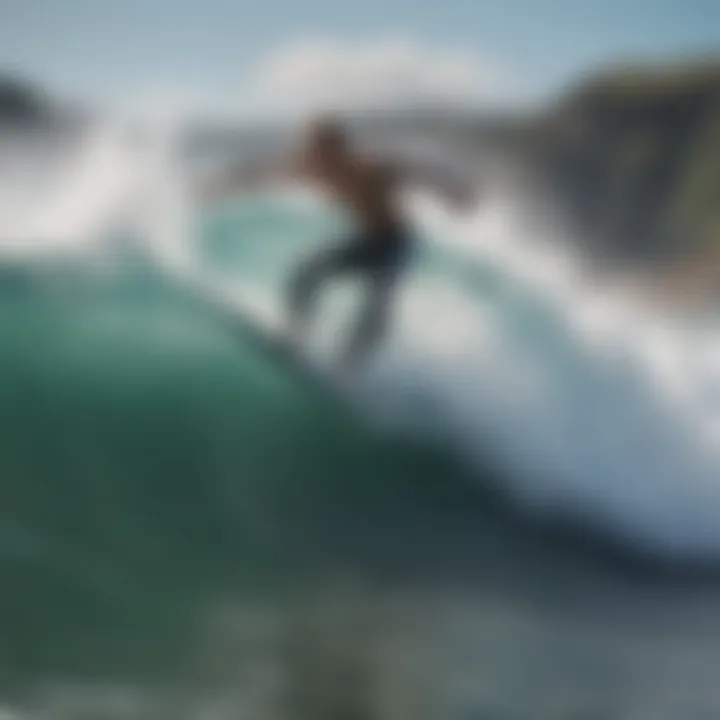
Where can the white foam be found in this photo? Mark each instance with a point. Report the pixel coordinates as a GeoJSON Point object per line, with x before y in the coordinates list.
{"type": "Point", "coordinates": [617, 419]}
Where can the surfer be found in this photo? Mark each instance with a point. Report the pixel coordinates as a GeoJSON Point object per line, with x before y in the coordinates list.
{"type": "Point", "coordinates": [379, 248]}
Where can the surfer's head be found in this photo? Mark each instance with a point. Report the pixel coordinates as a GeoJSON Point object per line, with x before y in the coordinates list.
{"type": "Point", "coordinates": [327, 140]}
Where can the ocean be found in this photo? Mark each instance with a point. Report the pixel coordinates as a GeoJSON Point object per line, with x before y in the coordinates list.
{"type": "Point", "coordinates": [512, 514]}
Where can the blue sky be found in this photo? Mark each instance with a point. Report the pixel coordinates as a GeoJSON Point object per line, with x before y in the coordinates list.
{"type": "Point", "coordinates": [204, 50]}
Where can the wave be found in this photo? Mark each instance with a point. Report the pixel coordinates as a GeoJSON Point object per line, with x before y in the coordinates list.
{"type": "Point", "coordinates": [594, 408]}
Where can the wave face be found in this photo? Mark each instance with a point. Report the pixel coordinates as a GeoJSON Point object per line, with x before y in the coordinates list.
{"type": "Point", "coordinates": [152, 459]}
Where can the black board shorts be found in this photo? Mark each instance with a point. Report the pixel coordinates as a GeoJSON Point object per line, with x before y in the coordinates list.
{"type": "Point", "coordinates": [379, 254]}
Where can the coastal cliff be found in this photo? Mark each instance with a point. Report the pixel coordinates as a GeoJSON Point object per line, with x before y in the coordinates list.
{"type": "Point", "coordinates": [632, 157]}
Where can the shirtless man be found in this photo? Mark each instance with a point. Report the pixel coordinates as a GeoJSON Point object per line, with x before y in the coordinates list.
{"type": "Point", "coordinates": [379, 248]}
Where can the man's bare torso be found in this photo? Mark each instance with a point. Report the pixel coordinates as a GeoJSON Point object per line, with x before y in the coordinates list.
{"type": "Point", "coordinates": [366, 188]}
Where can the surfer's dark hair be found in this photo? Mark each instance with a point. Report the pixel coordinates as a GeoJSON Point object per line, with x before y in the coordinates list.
{"type": "Point", "coordinates": [329, 132]}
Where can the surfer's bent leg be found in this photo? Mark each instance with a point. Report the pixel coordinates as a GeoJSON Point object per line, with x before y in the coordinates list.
{"type": "Point", "coordinates": [373, 321]}
{"type": "Point", "coordinates": [307, 279]}
{"type": "Point", "coordinates": [383, 266]}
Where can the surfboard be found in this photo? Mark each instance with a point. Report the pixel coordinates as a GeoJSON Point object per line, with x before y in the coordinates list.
{"type": "Point", "coordinates": [277, 346]}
